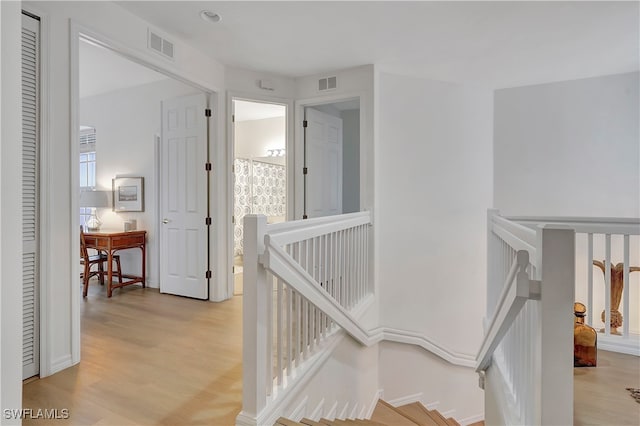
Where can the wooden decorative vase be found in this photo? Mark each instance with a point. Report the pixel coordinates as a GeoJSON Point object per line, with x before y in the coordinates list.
{"type": "Point", "coordinates": [617, 285]}
{"type": "Point", "coordinates": [585, 339]}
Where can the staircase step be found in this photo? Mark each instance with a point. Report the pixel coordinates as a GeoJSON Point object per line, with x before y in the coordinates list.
{"type": "Point", "coordinates": [418, 413]}
{"type": "Point", "coordinates": [310, 422]}
{"type": "Point", "coordinates": [386, 414]}
{"type": "Point", "coordinates": [439, 418]}
{"type": "Point", "coordinates": [451, 421]}
{"type": "Point", "coordinates": [286, 422]}
{"type": "Point", "coordinates": [480, 423]}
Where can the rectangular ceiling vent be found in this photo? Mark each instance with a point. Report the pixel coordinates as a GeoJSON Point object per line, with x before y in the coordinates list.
{"type": "Point", "coordinates": [329, 83]}
{"type": "Point", "coordinates": [160, 45]}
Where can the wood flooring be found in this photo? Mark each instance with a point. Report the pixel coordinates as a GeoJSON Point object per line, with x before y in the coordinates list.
{"type": "Point", "coordinates": [149, 358]}
{"type": "Point", "coordinates": [600, 397]}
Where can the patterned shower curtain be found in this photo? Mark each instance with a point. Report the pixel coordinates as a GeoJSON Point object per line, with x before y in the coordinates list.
{"type": "Point", "coordinates": [259, 188]}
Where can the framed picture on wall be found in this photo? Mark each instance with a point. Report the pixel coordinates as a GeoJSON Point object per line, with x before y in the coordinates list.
{"type": "Point", "coordinates": [128, 194]}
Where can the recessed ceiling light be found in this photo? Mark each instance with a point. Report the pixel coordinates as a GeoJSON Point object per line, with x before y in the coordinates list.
{"type": "Point", "coordinates": [210, 16]}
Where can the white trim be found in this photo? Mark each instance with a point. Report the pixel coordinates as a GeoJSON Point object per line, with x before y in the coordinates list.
{"type": "Point", "coordinates": [317, 412]}
{"type": "Point", "coordinates": [61, 363]}
{"type": "Point", "coordinates": [230, 144]}
{"type": "Point", "coordinates": [409, 399]}
{"type": "Point", "coordinates": [418, 339]}
{"type": "Point", "coordinates": [298, 117]}
{"type": "Point", "coordinates": [448, 413]}
{"type": "Point", "coordinates": [274, 408]}
{"type": "Point", "coordinates": [354, 412]}
{"type": "Point", "coordinates": [333, 411]}
{"type": "Point", "coordinates": [300, 411]}
{"type": "Point", "coordinates": [377, 396]}
{"type": "Point", "coordinates": [471, 419]}
{"type": "Point", "coordinates": [619, 344]}
{"type": "Point", "coordinates": [77, 31]}
{"type": "Point", "coordinates": [363, 412]}
{"type": "Point", "coordinates": [45, 213]}
{"type": "Point", "coordinates": [432, 405]}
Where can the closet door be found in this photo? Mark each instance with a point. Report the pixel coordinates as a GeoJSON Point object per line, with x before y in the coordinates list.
{"type": "Point", "coordinates": [30, 145]}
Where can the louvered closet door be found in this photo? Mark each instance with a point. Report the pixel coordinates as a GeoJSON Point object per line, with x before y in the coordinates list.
{"type": "Point", "coordinates": [30, 142]}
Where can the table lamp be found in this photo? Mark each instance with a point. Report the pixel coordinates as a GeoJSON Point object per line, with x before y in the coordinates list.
{"type": "Point", "coordinates": [94, 200]}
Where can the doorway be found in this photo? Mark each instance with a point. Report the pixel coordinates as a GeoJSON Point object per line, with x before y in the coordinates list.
{"type": "Point", "coordinates": [331, 158]}
{"type": "Point", "coordinates": [260, 175]}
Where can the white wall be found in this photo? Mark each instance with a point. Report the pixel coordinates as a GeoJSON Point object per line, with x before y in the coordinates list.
{"type": "Point", "coordinates": [126, 122]}
{"type": "Point", "coordinates": [10, 211]}
{"type": "Point", "coordinates": [247, 83]}
{"type": "Point", "coordinates": [350, 160]}
{"type": "Point", "coordinates": [255, 137]}
{"type": "Point", "coordinates": [352, 82]}
{"type": "Point", "coordinates": [433, 187]}
{"type": "Point", "coordinates": [569, 149]}
{"type": "Point", "coordinates": [131, 33]}
{"type": "Point", "coordinates": [407, 370]}
{"type": "Point", "coordinates": [349, 375]}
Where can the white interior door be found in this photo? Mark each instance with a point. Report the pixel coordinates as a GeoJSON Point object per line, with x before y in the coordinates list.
{"type": "Point", "coordinates": [184, 248]}
{"type": "Point", "coordinates": [323, 149]}
{"type": "Point", "coordinates": [30, 222]}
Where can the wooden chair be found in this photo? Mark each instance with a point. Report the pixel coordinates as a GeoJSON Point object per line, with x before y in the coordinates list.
{"type": "Point", "coordinates": [99, 259]}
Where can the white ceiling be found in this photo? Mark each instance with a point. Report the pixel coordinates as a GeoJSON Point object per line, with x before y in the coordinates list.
{"type": "Point", "coordinates": [499, 44]}
{"type": "Point", "coordinates": [246, 111]}
{"type": "Point", "coordinates": [103, 71]}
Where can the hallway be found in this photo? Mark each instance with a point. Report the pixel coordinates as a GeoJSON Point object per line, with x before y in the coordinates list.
{"type": "Point", "coordinates": [149, 358]}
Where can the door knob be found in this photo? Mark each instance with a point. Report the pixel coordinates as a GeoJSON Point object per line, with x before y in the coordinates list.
{"type": "Point", "coordinates": [165, 221]}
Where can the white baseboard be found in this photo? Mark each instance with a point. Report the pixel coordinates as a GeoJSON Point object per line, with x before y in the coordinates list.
{"type": "Point", "coordinates": [629, 346]}
{"type": "Point", "coordinates": [354, 412]}
{"type": "Point", "coordinates": [61, 363]}
{"type": "Point", "coordinates": [470, 420]}
{"type": "Point", "coordinates": [397, 402]}
{"type": "Point", "coordinates": [418, 339]}
{"type": "Point", "coordinates": [316, 414]}
{"type": "Point", "coordinates": [378, 395]}
{"type": "Point", "coordinates": [299, 412]}
{"type": "Point", "coordinates": [343, 412]}
{"type": "Point", "coordinates": [332, 412]}
{"type": "Point", "coordinates": [449, 413]}
{"type": "Point", "coordinates": [432, 405]}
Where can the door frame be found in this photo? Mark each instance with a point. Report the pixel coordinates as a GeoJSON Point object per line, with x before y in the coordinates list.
{"type": "Point", "coordinates": [290, 153]}
{"type": "Point", "coordinates": [300, 105]}
{"type": "Point", "coordinates": [77, 31]}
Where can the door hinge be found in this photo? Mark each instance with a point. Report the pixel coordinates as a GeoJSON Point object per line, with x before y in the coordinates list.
{"type": "Point", "coordinates": [305, 170]}
{"type": "Point", "coordinates": [304, 216]}
{"type": "Point", "coordinates": [305, 123]}
{"type": "Point", "coordinates": [207, 275]}
{"type": "Point", "coordinates": [233, 118]}
{"type": "Point", "coordinates": [233, 168]}
{"type": "Point", "coordinates": [233, 219]}
{"type": "Point", "coordinates": [207, 112]}
{"type": "Point", "coordinates": [207, 167]}
{"type": "Point", "coordinates": [233, 269]}
{"type": "Point", "coordinates": [207, 221]}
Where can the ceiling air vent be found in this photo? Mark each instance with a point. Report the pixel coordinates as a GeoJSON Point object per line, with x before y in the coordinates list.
{"type": "Point", "coordinates": [329, 83]}
{"type": "Point", "coordinates": [160, 45]}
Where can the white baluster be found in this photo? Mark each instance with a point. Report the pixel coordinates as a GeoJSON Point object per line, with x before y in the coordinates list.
{"type": "Point", "coordinates": [625, 289]}
{"type": "Point", "coordinates": [280, 329]}
{"type": "Point", "coordinates": [590, 278]}
{"type": "Point", "coordinates": [607, 291]}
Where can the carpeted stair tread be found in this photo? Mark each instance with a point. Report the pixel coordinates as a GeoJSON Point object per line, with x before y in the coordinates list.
{"type": "Point", "coordinates": [386, 414]}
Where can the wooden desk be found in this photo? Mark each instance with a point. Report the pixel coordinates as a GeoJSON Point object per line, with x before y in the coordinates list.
{"type": "Point", "coordinates": [111, 242]}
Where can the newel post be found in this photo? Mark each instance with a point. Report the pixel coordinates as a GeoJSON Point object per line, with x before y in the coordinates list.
{"type": "Point", "coordinates": [255, 319]}
{"type": "Point", "coordinates": [557, 246]}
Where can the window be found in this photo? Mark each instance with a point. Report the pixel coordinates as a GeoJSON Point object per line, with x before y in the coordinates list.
{"type": "Point", "coordinates": [87, 166]}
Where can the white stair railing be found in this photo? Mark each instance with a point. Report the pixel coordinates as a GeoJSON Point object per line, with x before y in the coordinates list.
{"type": "Point", "coordinates": [528, 342]}
{"type": "Point", "coordinates": [608, 242]}
{"type": "Point", "coordinates": [303, 281]}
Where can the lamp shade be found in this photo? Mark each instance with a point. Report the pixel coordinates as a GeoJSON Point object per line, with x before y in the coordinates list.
{"type": "Point", "coordinates": [99, 199]}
